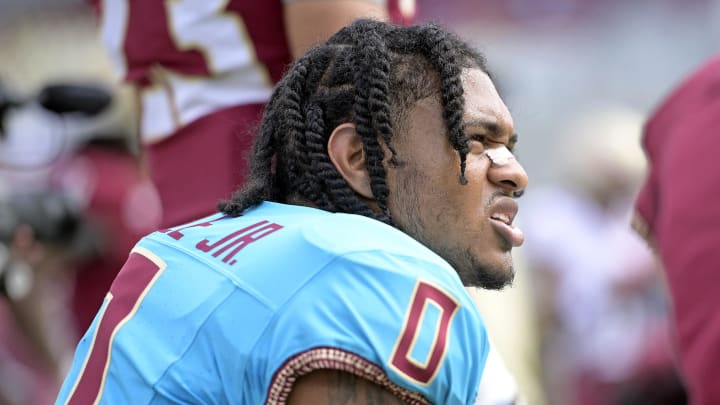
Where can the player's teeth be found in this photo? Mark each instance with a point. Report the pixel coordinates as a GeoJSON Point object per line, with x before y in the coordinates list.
{"type": "Point", "coordinates": [501, 217]}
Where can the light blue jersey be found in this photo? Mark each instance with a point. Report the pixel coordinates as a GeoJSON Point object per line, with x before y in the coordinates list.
{"type": "Point", "coordinates": [234, 310]}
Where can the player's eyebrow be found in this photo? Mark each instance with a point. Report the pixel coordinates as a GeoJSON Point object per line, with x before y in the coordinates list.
{"type": "Point", "coordinates": [493, 129]}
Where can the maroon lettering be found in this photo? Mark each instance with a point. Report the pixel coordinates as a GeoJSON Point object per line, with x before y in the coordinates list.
{"type": "Point", "coordinates": [248, 239]}
{"type": "Point", "coordinates": [177, 235]}
{"type": "Point", "coordinates": [401, 358]}
{"type": "Point", "coordinates": [133, 282]}
{"type": "Point", "coordinates": [205, 245]}
{"type": "Point", "coordinates": [238, 239]}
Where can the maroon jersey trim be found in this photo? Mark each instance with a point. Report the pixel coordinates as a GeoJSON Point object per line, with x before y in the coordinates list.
{"type": "Point", "coordinates": [331, 358]}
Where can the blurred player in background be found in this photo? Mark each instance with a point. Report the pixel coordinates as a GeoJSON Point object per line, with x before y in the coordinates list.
{"type": "Point", "coordinates": [598, 287]}
{"type": "Point", "coordinates": [678, 212]}
{"type": "Point", "coordinates": [382, 181]}
{"type": "Point", "coordinates": [73, 198]}
{"type": "Point", "coordinates": [203, 70]}
{"type": "Point", "coordinates": [115, 197]}
{"type": "Point", "coordinates": [39, 237]}
{"type": "Point", "coordinates": [65, 234]}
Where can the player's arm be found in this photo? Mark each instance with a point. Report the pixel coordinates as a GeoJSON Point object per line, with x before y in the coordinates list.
{"type": "Point", "coordinates": [333, 387]}
{"type": "Point", "coordinates": [308, 22]}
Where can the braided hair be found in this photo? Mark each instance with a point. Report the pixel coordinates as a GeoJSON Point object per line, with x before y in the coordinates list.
{"type": "Point", "coordinates": [370, 73]}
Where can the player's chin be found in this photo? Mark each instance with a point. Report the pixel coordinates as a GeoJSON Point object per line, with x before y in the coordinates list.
{"type": "Point", "coordinates": [489, 274]}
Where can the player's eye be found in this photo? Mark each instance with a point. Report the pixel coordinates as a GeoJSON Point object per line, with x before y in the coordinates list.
{"type": "Point", "coordinates": [477, 142]}
{"type": "Point", "coordinates": [478, 138]}
{"type": "Point", "coordinates": [480, 142]}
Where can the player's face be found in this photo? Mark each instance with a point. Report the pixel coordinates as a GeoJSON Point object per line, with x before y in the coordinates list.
{"type": "Point", "coordinates": [469, 225]}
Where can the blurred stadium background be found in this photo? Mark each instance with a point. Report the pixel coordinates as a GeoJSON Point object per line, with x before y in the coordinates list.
{"type": "Point", "coordinates": [571, 71]}
{"type": "Point", "coordinates": [552, 58]}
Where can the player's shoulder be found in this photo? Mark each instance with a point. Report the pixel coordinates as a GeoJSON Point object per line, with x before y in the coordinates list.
{"type": "Point", "coordinates": [340, 234]}
{"type": "Point", "coordinates": [351, 235]}
{"type": "Point", "coordinates": [383, 307]}
{"type": "Point", "coordinates": [315, 239]}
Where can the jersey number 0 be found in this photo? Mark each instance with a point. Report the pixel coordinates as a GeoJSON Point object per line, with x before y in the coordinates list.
{"type": "Point", "coordinates": [402, 360]}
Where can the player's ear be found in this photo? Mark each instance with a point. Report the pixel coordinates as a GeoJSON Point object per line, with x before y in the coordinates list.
{"type": "Point", "coordinates": [346, 152]}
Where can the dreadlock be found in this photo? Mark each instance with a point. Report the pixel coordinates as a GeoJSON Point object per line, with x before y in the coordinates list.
{"type": "Point", "coordinates": [370, 73]}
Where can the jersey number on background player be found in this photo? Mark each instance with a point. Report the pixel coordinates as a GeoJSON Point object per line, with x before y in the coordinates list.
{"type": "Point", "coordinates": [220, 36]}
{"type": "Point", "coordinates": [217, 23]}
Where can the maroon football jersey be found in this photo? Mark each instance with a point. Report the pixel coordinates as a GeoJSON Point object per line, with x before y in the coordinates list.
{"type": "Point", "coordinates": [203, 70]}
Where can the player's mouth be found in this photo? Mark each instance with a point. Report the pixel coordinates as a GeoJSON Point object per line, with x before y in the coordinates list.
{"type": "Point", "coordinates": [502, 214]}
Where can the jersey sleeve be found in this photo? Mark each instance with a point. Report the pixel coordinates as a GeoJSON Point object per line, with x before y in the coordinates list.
{"type": "Point", "coordinates": [390, 319]}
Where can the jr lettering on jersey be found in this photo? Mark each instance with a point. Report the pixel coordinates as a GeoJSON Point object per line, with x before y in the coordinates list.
{"type": "Point", "coordinates": [231, 243]}
{"type": "Point", "coordinates": [238, 240]}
